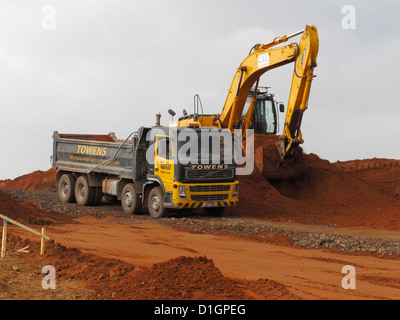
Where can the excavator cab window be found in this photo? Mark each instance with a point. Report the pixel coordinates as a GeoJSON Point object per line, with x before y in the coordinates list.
{"type": "Point", "coordinates": [265, 119]}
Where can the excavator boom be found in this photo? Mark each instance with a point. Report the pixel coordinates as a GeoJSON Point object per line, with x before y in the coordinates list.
{"type": "Point", "coordinates": [267, 57]}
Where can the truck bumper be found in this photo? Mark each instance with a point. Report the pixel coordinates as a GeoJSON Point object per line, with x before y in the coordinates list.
{"type": "Point", "coordinates": [202, 195]}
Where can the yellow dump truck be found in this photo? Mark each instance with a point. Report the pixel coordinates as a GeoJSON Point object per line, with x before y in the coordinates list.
{"type": "Point", "coordinates": [148, 170]}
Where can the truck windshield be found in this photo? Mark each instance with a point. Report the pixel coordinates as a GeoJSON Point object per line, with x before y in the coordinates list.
{"type": "Point", "coordinates": [206, 149]}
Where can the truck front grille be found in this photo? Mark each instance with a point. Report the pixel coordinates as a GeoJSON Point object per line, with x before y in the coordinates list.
{"type": "Point", "coordinates": [209, 197]}
{"type": "Point", "coordinates": [209, 188]}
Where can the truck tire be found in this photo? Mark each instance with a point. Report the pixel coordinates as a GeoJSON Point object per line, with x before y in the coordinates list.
{"type": "Point", "coordinates": [66, 188]}
{"type": "Point", "coordinates": [130, 200]}
{"type": "Point", "coordinates": [215, 212]}
{"type": "Point", "coordinates": [84, 194]}
{"type": "Point", "coordinates": [156, 203]}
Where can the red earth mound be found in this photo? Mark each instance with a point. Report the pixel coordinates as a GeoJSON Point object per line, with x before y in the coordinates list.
{"type": "Point", "coordinates": [267, 158]}
{"type": "Point", "coordinates": [180, 278]}
{"type": "Point", "coordinates": [32, 181]}
{"type": "Point", "coordinates": [323, 194]}
{"type": "Point", "coordinates": [28, 213]}
{"type": "Point", "coordinates": [382, 174]}
{"type": "Point", "coordinates": [192, 278]}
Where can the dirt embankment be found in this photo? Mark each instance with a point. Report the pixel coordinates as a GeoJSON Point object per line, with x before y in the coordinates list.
{"type": "Point", "coordinates": [381, 174]}
{"type": "Point", "coordinates": [26, 212]}
{"type": "Point", "coordinates": [326, 193]}
{"type": "Point", "coordinates": [32, 181]}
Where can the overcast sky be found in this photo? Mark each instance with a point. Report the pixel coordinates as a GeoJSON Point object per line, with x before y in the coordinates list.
{"type": "Point", "coordinates": [110, 66]}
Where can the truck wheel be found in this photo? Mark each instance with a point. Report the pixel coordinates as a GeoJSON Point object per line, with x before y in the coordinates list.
{"type": "Point", "coordinates": [215, 212]}
{"type": "Point", "coordinates": [83, 193]}
{"type": "Point", "coordinates": [66, 188]}
{"type": "Point", "coordinates": [130, 200]}
{"type": "Point", "coordinates": [156, 203]}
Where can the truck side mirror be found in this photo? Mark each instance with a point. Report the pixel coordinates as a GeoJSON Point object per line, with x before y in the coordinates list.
{"type": "Point", "coordinates": [281, 107]}
{"type": "Point", "coordinates": [172, 113]}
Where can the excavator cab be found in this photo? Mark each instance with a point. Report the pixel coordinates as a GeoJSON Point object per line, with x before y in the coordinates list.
{"type": "Point", "coordinates": [265, 118]}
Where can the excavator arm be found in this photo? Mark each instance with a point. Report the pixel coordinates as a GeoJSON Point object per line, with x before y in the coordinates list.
{"type": "Point", "coordinates": [266, 57]}
{"type": "Point", "coordinates": [305, 63]}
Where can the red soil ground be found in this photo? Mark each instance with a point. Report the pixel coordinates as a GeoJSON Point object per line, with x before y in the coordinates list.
{"type": "Point", "coordinates": [189, 278]}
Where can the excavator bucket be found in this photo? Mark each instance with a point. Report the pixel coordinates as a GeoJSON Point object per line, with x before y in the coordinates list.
{"type": "Point", "coordinates": [268, 161]}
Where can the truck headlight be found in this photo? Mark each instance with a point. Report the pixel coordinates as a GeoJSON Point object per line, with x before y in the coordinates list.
{"type": "Point", "coordinates": [182, 192]}
{"type": "Point", "coordinates": [235, 190]}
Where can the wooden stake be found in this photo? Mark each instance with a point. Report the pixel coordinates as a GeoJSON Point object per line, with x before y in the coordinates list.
{"type": "Point", "coordinates": [42, 240]}
{"type": "Point", "coordinates": [4, 239]}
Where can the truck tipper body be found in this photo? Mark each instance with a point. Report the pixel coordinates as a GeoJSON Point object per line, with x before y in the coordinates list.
{"type": "Point", "coordinates": [145, 171]}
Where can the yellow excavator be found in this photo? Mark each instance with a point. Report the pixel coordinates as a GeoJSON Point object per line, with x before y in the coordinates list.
{"type": "Point", "coordinates": [249, 107]}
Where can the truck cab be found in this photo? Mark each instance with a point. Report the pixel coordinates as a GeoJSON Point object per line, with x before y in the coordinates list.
{"type": "Point", "coordinates": [193, 168]}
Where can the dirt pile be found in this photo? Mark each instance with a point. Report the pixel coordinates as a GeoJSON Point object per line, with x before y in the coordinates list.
{"type": "Point", "coordinates": [102, 137]}
{"type": "Point", "coordinates": [267, 158]}
{"type": "Point", "coordinates": [324, 193]}
{"type": "Point", "coordinates": [90, 271]}
{"type": "Point", "coordinates": [382, 174]}
{"type": "Point", "coordinates": [193, 278]}
{"type": "Point", "coordinates": [27, 213]}
{"type": "Point", "coordinates": [33, 181]}
{"type": "Point", "coordinates": [384, 165]}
